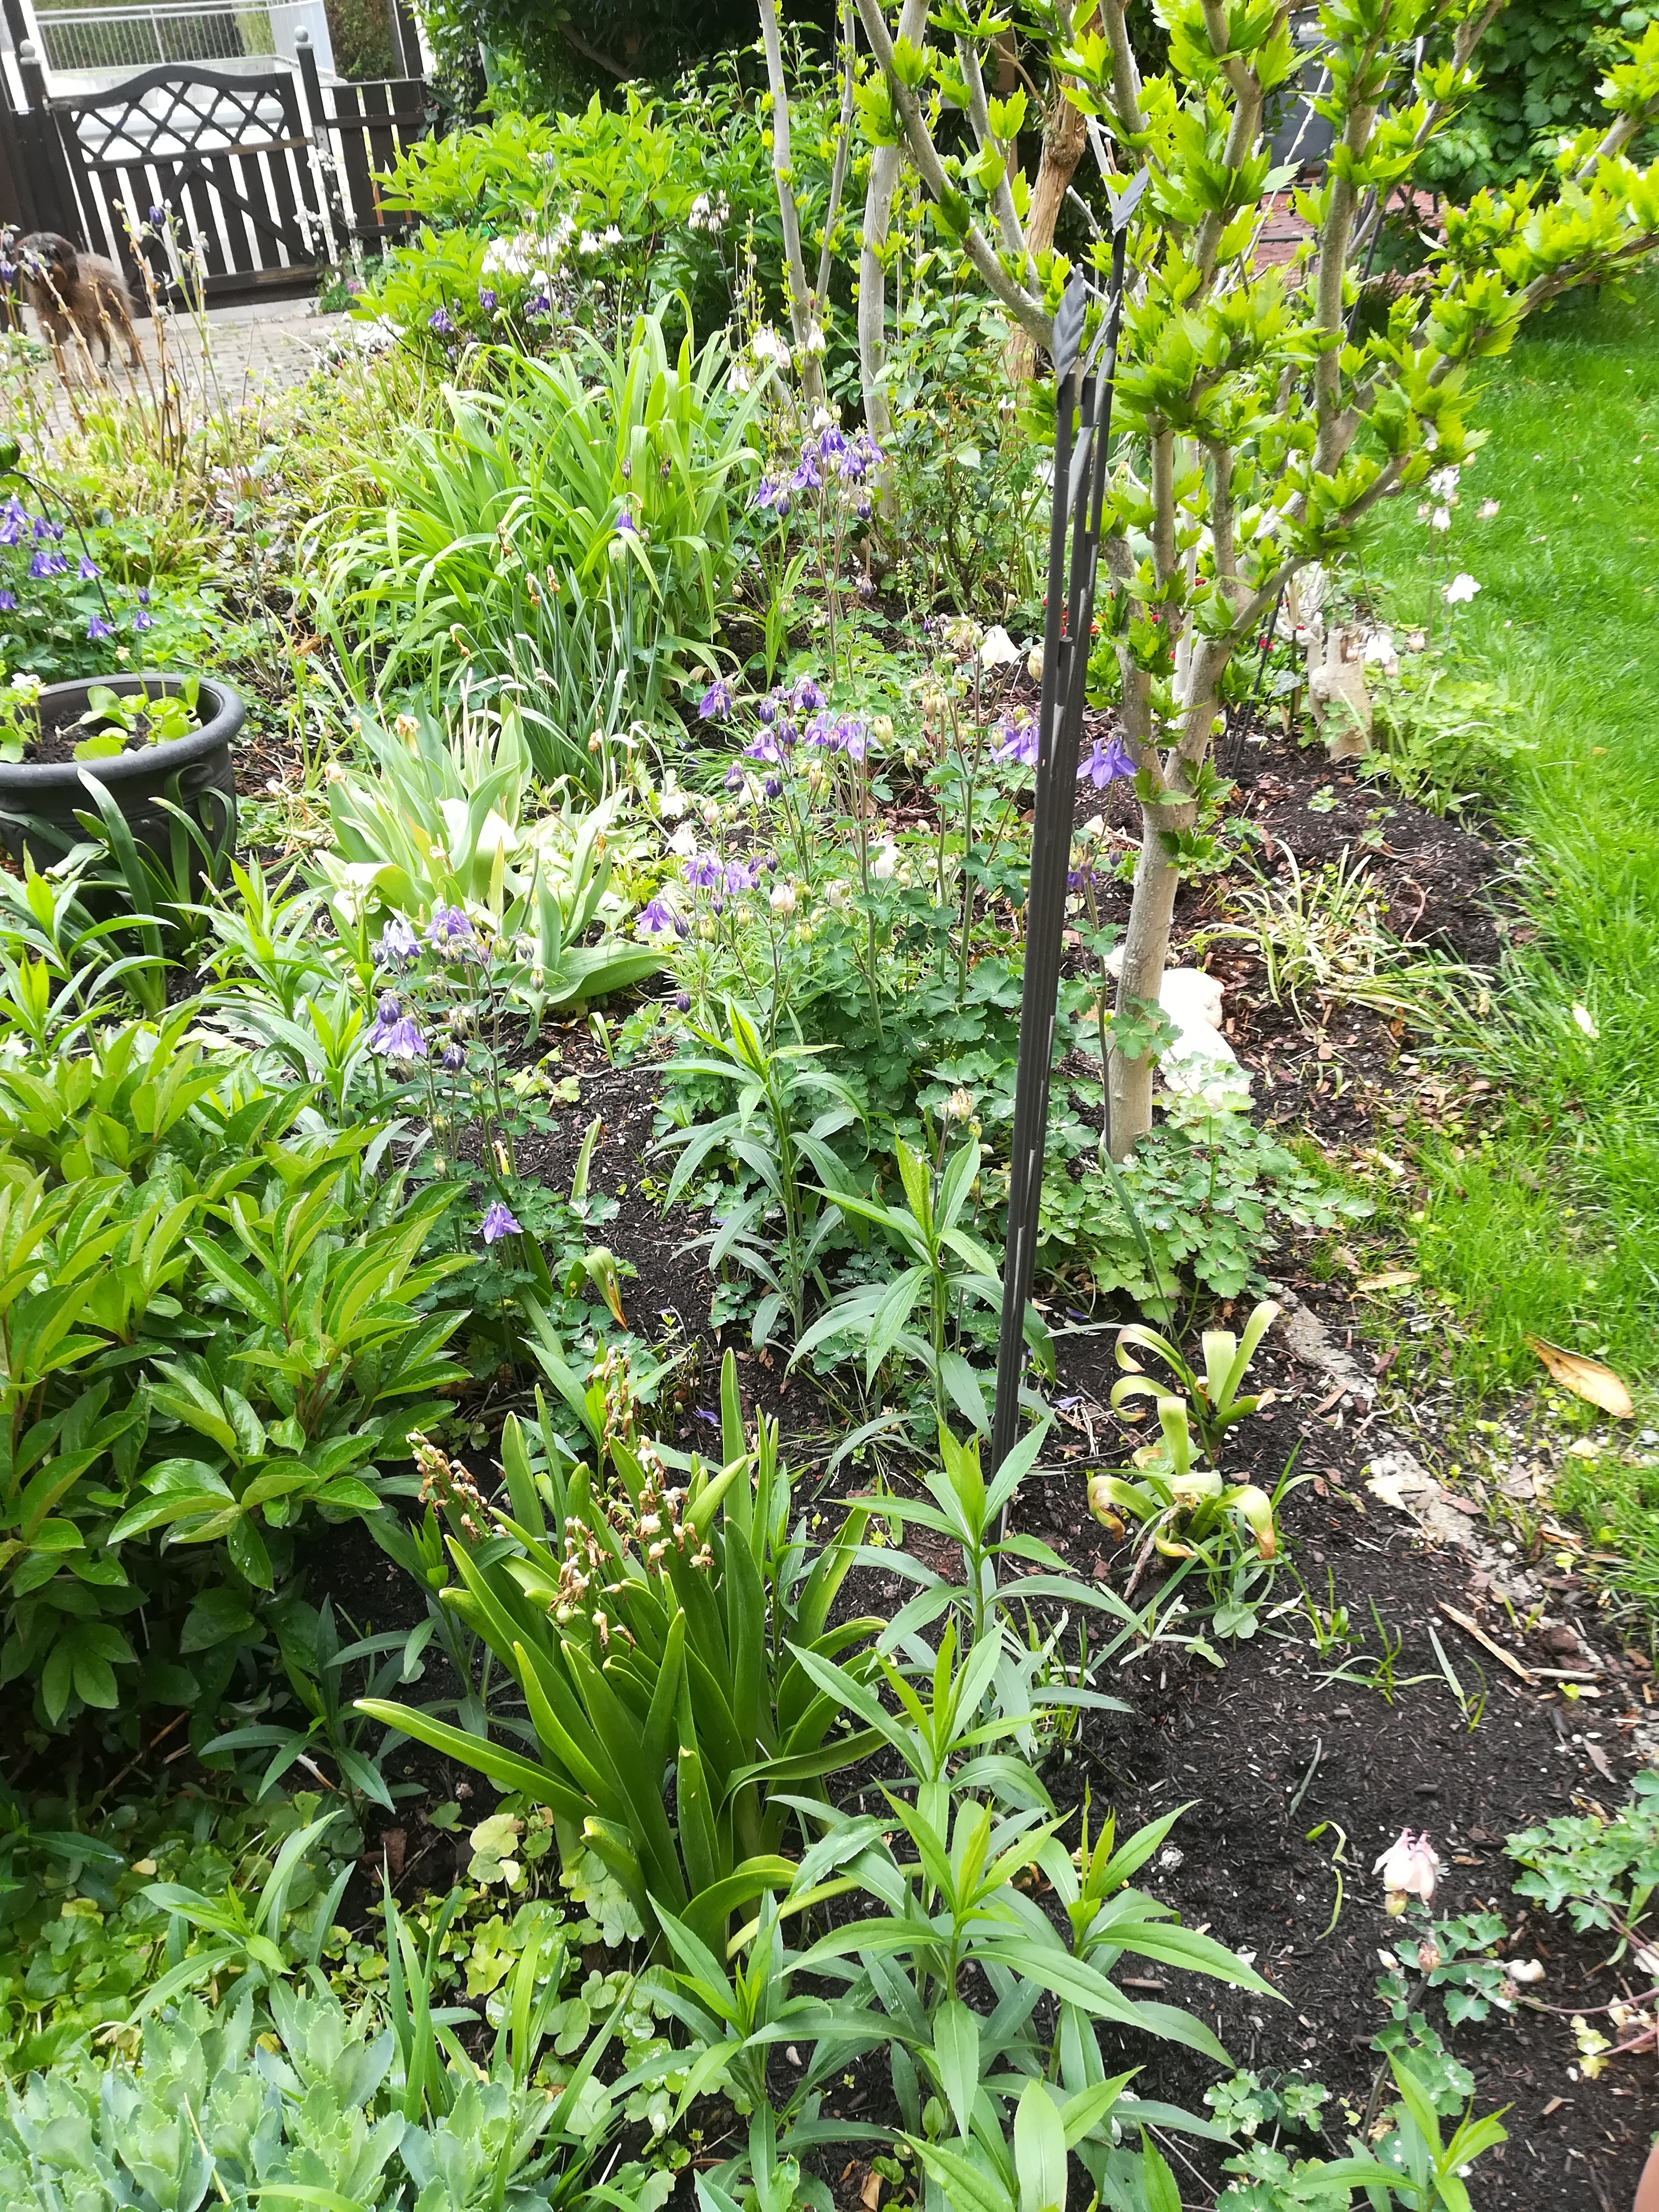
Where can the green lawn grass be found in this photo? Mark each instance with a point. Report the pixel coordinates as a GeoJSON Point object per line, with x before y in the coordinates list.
{"type": "Point", "coordinates": [1551, 1227]}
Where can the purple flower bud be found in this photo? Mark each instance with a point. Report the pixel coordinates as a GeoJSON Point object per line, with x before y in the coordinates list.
{"type": "Point", "coordinates": [625, 524]}
{"type": "Point", "coordinates": [454, 1057]}
{"type": "Point", "coordinates": [771, 786]}
{"type": "Point", "coordinates": [734, 778]}
{"type": "Point", "coordinates": [682, 1002]}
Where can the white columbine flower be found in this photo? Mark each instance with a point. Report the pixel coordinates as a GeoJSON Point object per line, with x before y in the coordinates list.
{"type": "Point", "coordinates": [884, 864]}
{"type": "Point", "coordinates": [1443, 485]}
{"type": "Point", "coordinates": [783, 901]}
{"type": "Point", "coordinates": [1486, 509]}
{"type": "Point", "coordinates": [999, 650]}
{"type": "Point", "coordinates": [1440, 518]}
{"type": "Point", "coordinates": [1460, 587]}
{"type": "Point", "coordinates": [1408, 1868]}
{"type": "Point", "coordinates": [767, 347]}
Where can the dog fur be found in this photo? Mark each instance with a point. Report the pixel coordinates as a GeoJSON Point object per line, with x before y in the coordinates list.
{"type": "Point", "coordinates": [71, 290]}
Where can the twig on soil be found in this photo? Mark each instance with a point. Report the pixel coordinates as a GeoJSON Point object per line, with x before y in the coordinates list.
{"type": "Point", "coordinates": [1472, 1628]}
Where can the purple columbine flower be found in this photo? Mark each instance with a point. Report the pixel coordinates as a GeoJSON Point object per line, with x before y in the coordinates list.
{"type": "Point", "coordinates": [98, 629]}
{"type": "Point", "coordinates": [741, 875]}
{"type": "Point", "coordinates": [657, 919]}
{"type": "Point", "coordinates": [824, 731]}
{"type": "Point", "coordinates": [90, 571]}
{"type": "Point", "coordinates": [682, 1002]}
{"type": "Point", "coordinates": [830, 442]}
{"type": "Point", "coordinates": [538, 304]}
{"type": "Point", "coordinates": [8, 603]}
{"type": "Point", "coordinates": [142, 621]}
{"type": "Point", "coordinates": [806, 476]}
{"type": "Point", "coordinates": [702, 871]}
{"type": "Point", "coordinates": [13, 522]}
{"type": "Point", "coordinates": [396, 1035]}
{"type": "Point", "coordinates": [1109, 762]}
{"type": "Point", "coordinates": [763, 748]}
{"type": "Point", "coordinates": [449, 933]}
{"type": "Point", "coordinates": [45, 531]}
{"type": "Point", "coordinates": [454, 1056]}
{"type": "Point", "coordinates": [498, 1223]}
{"type": "Point", "coordinates": [625, 526]}
{"type": "Point", "coordinates": [767, 711]}
{"type": "Point", "coordinates": [773, 786]}
{"type": "Point", "coordinates": [1018, 739]}
{"type": "Point", "coordinates": [867, 450]}
{"type": "Point", "coordinates": [486, 299]}
{"type": "Point", "coordinates": [734, 778]}
{"type": "Point", "coordinates": [441, 321]}
{"type": "Point", "coordinates": [766, 494]}
{"type": "Point", "coordinates": [47, 564]}
{"type": "Point", "coordinates": [397, 942]}
{"type": "Point", "coordinates": [716, 702]}
{"type": "Point", "coordinates": [850, 738]}
{"type": "Point", "coordinates": [807, 696]}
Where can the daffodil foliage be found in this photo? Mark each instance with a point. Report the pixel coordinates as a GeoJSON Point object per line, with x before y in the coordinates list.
{"type": "Point", "coordinates": [1268, 407]}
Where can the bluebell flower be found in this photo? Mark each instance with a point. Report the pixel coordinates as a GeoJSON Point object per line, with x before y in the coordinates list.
{"type": "Point", "coordinates": [498, 1223]}
{"type": "Point", "coordinates": [716, 702]}
{"type": "Point", "coordinates": [98, 629]}
{"type": "Point", "coordinates": [1109, 762]}
{"type": "Point", "coordinates": [625, 526]}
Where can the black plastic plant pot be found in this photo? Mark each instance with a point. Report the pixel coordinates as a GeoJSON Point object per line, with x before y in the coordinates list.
{"type": "Point", "coordinates": [39, 800]}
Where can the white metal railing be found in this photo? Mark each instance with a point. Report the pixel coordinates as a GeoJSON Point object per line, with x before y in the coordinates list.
{"type": "Point", "coordinates": [110, 43]}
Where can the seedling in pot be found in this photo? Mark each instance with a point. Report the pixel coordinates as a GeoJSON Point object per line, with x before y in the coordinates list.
{"type": "Point", "coordinates": [120, 719]}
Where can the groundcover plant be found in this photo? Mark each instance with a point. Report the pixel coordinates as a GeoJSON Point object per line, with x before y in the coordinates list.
{"type": "Point", "coordinates": [529, 1684]}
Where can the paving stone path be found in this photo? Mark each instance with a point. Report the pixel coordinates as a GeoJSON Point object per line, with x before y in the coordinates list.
{"type": "Point", "coordinates": [250, 350]}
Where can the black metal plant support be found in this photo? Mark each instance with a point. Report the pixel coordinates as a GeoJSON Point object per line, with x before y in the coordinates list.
{"type": "Point", "coordinates": [1080, 461]}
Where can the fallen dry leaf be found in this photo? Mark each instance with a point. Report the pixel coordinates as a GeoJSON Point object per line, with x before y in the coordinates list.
{"type": "Point", "coordinates": [1586, 1378]}
{"type": "Point", "coordinates": [870, 2195]}
{"type": "Point", "coordinates": [1393, 1278]}
{"type": "Point", "coordinates": [1598, 1760]}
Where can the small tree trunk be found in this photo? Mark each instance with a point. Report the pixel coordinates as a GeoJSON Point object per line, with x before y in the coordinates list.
{"type": "Point", "coordinates": [1146, 949]}
{"type": "Point", "coordinates": [802, 317]}
{"type": "Point", "coordinates": [872, 279]}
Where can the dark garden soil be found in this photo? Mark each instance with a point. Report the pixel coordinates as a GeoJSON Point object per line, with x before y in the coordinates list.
{"type": "Point", "coordinates": [1288, 1781]}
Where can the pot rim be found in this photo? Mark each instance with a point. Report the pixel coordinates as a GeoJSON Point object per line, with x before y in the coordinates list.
{"type": "Point", "coordinates": [225, 713]}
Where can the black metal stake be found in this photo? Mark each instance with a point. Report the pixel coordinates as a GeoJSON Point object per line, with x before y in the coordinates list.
{"type": "Point", "coordinates": [1079, 491]}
